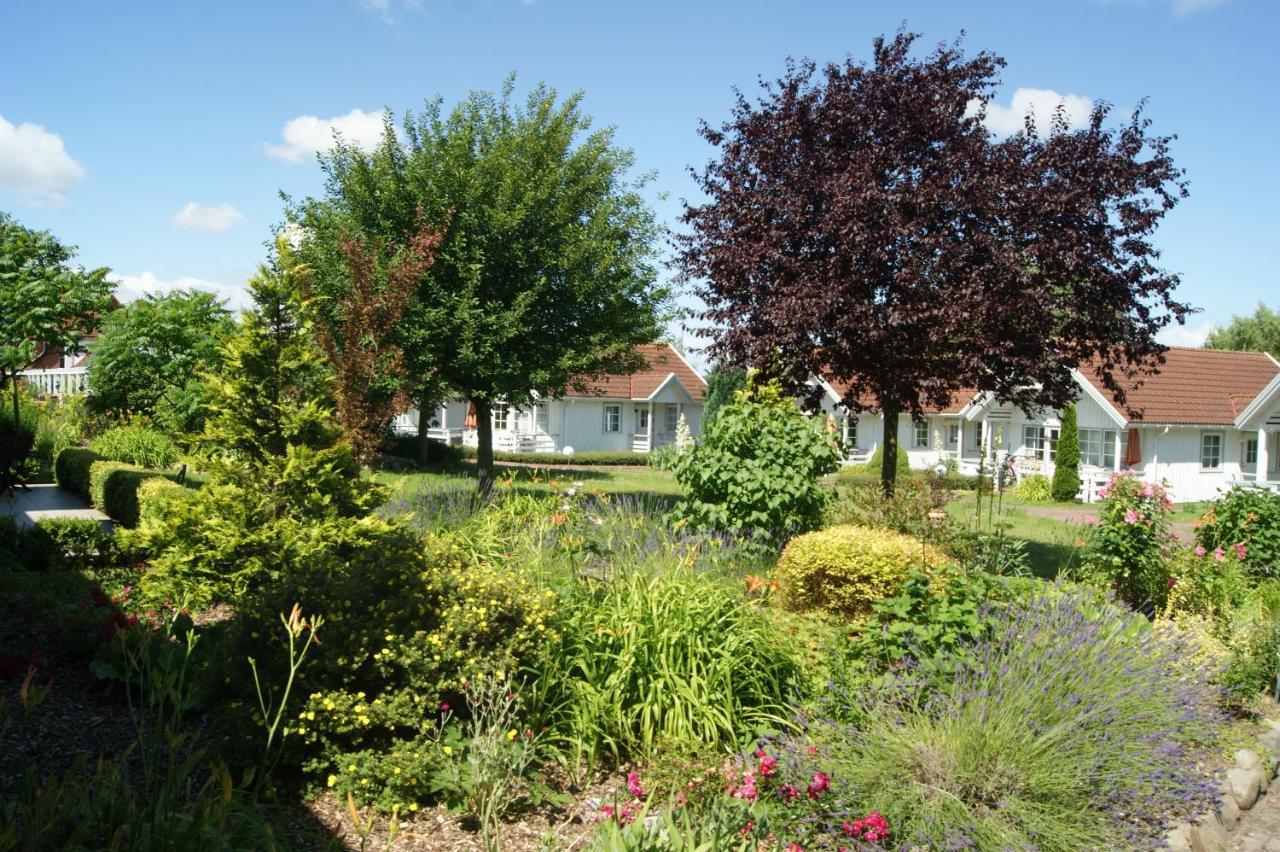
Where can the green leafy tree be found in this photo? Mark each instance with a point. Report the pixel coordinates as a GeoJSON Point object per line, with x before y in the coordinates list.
{"type": "Point", "coordinates": [45, 303]}
{"type": "Point", "coordinates": [722, 383]}
{"type": "Point", "coordinates": [545, 272]}
{"type": "Point", "coordinates": [756, 468]}
{"type": "Point", "coordinates": [150, 357]}
{"type": "Point", "coordinates": [1066, 470]}
{"type": "Point", "coordinates": [285, 493]}
{"type": "Point", "coordinates": [1257, 333]}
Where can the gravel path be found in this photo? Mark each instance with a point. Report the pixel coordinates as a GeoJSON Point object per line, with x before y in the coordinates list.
{"type": "Point", "coordinates": [1088, 514]}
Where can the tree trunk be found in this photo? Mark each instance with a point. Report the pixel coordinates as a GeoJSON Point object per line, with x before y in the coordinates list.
{"type": "Point", "coordinates": [889, 461]}
{"type": "Point", "coordinates": [424, 426]}
{"type": "Point", "coordinates": [484, 448]}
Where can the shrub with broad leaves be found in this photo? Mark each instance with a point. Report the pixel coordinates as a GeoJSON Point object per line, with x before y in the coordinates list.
{"type": "Point", "coordinates": [1130, 549]}
{"type": "Point", "coordinates": [1247, 517]}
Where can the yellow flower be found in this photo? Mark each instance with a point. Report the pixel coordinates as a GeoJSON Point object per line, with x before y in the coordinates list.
{"type": "Point", "coordinates": [413, 807]}
{"type": "Point", "coordinates": [333, 779]}
{"type": "Point", "coordinates": [447, 750]}
{"type": "Point", "coordinates": [511, 735]}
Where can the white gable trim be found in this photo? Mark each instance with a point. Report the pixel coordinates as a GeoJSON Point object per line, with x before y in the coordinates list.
{"type": "Point", "coordinates": [1265, 398]}
{"type": "Point", "coordinates": [1106, 404]}
{"type": "Point", "coordinates": [671, 377]}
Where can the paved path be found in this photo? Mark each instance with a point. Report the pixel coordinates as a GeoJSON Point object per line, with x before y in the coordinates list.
{"type": "Point", "coordinates": [46, 501]}
{"type": "Point", "coordinates": [1259, 828]}
{"type": "Point", "coordinates": [1088, 514]}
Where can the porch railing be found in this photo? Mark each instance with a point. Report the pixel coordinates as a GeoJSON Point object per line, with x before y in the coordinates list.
{"type": "Point", "coordinates": [57, 381]}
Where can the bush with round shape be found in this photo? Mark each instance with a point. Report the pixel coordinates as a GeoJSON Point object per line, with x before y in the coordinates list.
{"type": "Point", "coordinates": [1130, 549]}
{"type": "Point", "coordinates": [1035, 489]}
{"type": "Point", "coordinates": [113, 489]}
{"type": "Point", "coordinates": [137, 445]}
{"type": "Point", "coordinates": [846, 569]}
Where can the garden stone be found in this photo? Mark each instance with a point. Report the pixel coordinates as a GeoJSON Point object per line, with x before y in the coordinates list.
{"type": "Point", "coordinates": [1247, 759]}
{"type": "Point", "coordinates": [1245, 786]}
{"type": "Point", "coordinates": [1179, 838]}
{"type": "Point", "coordinates": [1208, 835]}
{"type": "Point", "coordinates": [1271, 741]}
{"type": "Point", "coordinates": [1228, 810]}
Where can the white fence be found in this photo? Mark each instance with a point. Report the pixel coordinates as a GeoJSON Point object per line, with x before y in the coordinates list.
{"type": "Point", "coordinates": [57, 381]}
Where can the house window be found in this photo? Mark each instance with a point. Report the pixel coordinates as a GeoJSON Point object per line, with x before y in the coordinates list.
{"type": "Point", "coordinates": [1051, 441]}
{"type": "Point", "coordinates": [1251, 451]}
{"type": "Point", "coordinates": [1033, 438]}
{"type": "Point", "coordinates": [642, 421]}
{"type": "Point", "coordinates": [1098, 447]}
{"type": "Point", "coordinates": [613, 418]}
{"type": "Point", "coordinates": [851, 431]}
{"type": "Point", "coordinates": [953, 435]}
{"type": "Point", "coordinates": [671, 418]}
{"type": "Point", "coordinates": [501, 417]}
{"type": "Point", "coordinates": [1211, 451]}
{"type": "Point", "coordinates": [920, 433]}
{"type": "Point", "coordinates": [542, 417]}
{"type": "Point", "coordinates": [975, 437]}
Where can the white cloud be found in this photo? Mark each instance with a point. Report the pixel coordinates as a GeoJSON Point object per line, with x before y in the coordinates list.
{"type": "Point", "coordinates": [35, 164]}
{"type": "Point", "coordinates": [384, 8]}
{"type": "Point", "coordinates": [1041, 103]}
{"type": "Point", "coordinates": [1184, 335]}
{"type": "Point", "coordinates": [200, 217]}
{"type": "Point", "coordinates": [130, 287]}
{"type": "Point", "coordinates": [308, 135]}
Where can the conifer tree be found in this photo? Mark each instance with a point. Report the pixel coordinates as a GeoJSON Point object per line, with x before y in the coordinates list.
{"type": "Point", "coordinates": [1066, 471]}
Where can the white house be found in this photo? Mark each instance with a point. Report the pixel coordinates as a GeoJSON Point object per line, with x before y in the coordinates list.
{"type": "Point", "coordinates": [622, 413]}
{"type": "Point", "coordinates": [1207, 420]}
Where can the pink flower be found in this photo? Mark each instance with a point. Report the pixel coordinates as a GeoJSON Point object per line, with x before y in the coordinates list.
{"type": "Point", "coordinates": [444, 707]}
{"type": "Point", "coordinates": [633, 785]}
{"type": "Point", "coordinates": [820, 784]}
{"type": "Point", "coordinates": [1174, 535]}
{"type": "Point", "coordinates": [871, 828]}
{"type": "Point", "coordinates": [1130, 517]}
{"type": "Point", "coordinates": [1200, 551]}
{"type": "Point", "coordinates": [788, 792]}
{"type": "Point", "coordinates": [1240, 551]}
{"type": "Point", "coordinates": [1218, 555]}
{"type": "Point", "coordinates": [747, 791]}
{"type": "Point", "coordinates": [768, 764]}
{"type": "Point", "coordinates": [747, 829]}
{"type": "Point", "coordinates": [795, 847]}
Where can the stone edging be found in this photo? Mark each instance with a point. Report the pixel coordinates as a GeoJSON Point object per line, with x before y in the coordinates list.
{"type": "Point", "coordinates": [1246, 783]}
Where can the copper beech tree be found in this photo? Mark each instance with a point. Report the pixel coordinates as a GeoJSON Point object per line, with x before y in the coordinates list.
{"type": "Point", "coordinates": [861, 223]}
{"type": "Point", "coordinates": [357, 330]}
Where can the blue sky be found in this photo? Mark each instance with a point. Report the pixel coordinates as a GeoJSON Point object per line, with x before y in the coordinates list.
{"type": "Point", "coordinates": [156, 136]}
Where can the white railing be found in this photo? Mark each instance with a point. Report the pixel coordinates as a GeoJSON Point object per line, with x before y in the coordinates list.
{"type": "Point", "coordinates": [524, 442]}
{"type": "Point", "coordinates": [640, 443]}
{"type": "Point", "coordinates": [57, 381]}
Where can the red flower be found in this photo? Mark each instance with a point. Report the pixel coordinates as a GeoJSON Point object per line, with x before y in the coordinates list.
{"type": "Point", "coordinates": [768, 766]}
{"type": "Point", "coordinates": [820, 784]}
{"type": "Point", "coordinates": [788, 792]}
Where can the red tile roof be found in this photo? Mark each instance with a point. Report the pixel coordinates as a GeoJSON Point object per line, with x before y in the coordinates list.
{"type": "Point", "coordinates": [1194, 387]}
{"type": "Point", "coordinates": [959, 399]}
{"type": "Point", "coordinates": [660, 362]}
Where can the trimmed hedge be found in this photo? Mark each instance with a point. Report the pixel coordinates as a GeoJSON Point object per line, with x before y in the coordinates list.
{"type": "Point", "coordinates": [113, 489]}
{"type": "Point", "coordinates": [71, 469]}
{"type": "Point", "coordinates": [156, 495]}
{"type": "Point", "coordinates": [56, 544]}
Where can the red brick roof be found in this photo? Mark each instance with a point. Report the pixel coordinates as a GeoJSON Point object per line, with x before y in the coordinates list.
{"type": "Point", "coordinates": [660, 362]}
{"type": "Point", "coordinates": [959, 399]}
{"type": "Point", "coordinates": [1194, 387]}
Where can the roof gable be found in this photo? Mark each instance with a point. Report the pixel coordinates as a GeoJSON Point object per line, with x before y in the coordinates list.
{"type": "Point", "coordinates": [661, 364]}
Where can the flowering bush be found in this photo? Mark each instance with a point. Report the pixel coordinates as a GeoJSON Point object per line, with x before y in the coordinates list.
{"type": "Point", "coordinates": [1249, 517]}
{"type": "Point", "coordinates": [408, 626]}
{"type": "Point", "coordinates": [1132, 542]}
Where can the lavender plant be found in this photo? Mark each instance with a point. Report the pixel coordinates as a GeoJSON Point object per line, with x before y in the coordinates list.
{"type": "Point", "coordinates": [1073, 726]}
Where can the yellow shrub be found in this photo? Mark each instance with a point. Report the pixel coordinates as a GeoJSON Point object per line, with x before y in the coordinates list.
{"type": "Point", "coordinates": [846, 569]}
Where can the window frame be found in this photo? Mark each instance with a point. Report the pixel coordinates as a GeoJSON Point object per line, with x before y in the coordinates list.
{"type": "Point", "coordinates": [1033, 437]}
{"type": "Point", "coordinates": [918, 428]}
{"type": "Point", "coordinates": [851, 430]}
{"type": "Point", "coordinates": [612, 412]}
{"type": "Point", "coordinates": [1249, 452]}
{"type": "Point", "coordinates": [953, 435]}
{"type": "Point", "coordinates": [501, 417]}
{"type": "Point", "coordinates": [1217, 438]}
{"type": "Point", "coordinates": [671, 418]}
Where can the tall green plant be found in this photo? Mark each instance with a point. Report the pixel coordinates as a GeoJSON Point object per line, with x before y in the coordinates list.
{"type": "Point", "coordinates": [756, 469]}
{"type": "Point", "coordinates": [1066, 471]}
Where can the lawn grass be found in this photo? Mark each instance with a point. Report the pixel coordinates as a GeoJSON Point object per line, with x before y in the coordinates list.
{"type": "Point", "coordinates": [622, 479]}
